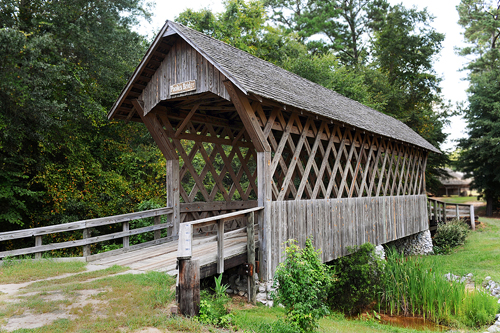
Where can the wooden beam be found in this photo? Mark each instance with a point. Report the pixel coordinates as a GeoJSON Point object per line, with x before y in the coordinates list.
{"type": "Point", "coordinates": [156, 129]}
{"type": "Point", "coordinates": [248, 117]}
{"type": "Point", "coordinates": [186, 120]}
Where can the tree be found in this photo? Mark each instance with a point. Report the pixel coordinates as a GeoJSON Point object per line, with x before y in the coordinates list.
{"type": "Point", "coordinates": [62, 65]}
{"type": "Point", "coordinates": [480, 154]}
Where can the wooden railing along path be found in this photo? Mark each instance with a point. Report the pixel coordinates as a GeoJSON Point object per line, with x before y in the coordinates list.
{"type": "Point", "coordinates": [87, 240]}
{"type": "Point", "coordinates": [440, 211]}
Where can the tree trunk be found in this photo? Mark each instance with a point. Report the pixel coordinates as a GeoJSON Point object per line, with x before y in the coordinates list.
{"type": "Point", "coordinates": [489, 206]}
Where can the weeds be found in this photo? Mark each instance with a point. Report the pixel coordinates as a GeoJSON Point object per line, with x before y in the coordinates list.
{"type": "Point", "coordinates": [213, 308]}
{"type": "Point", "coordinates": [412, 288]}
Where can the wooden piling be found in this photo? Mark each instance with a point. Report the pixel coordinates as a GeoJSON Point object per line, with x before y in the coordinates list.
{"type": "Point", "coordinates": [189, 287]}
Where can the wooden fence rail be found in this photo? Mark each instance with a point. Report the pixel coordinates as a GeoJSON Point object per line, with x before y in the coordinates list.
{"type": "Point", "coordinates": [186, 232]}
{"type": "Point", "coordinates": [440, 211]}
{"type": "Point", "coordinates": [86, 226]}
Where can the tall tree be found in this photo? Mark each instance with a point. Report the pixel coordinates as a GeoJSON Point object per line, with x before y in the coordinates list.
{"type": "Point", "coordinates": [62, 65]}
{"type": "Point", "coordinates": [480, 154]}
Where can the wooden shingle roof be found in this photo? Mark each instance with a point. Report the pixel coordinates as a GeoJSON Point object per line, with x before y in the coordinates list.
{"type": "Point", "coordinates": [257, 76]}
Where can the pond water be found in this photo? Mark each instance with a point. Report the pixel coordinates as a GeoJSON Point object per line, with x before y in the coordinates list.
{"type": "Point", "coordinates": [416, 323]}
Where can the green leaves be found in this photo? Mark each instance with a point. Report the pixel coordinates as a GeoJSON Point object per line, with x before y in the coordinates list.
{"type": "Point", "coordinates": [303, 282]}
{"type": "Point", "coordinates": [480, 152]}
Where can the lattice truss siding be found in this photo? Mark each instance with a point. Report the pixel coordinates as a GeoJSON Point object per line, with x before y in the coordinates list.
{"type": "Point", "coordinates": [314, 159]}
{"type": "Point", "coordinates": [217, 161]}
{"type": "Point", "coordinates": [311, 158]}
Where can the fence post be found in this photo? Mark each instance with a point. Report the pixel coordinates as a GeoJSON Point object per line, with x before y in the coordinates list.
{"type": "Point", "coordinates": [86, 248]}
{"type": "Point", "coordinates": [444, 212]}
{"type": "Point", "coordinates": [457, 209]}
{"type": "Point", "coordinates": [220, 246]}
{"type": "Point", "coordinates": [189, 287]}
{"type": "Point", "coordinates": [38, 242]}
{"type": "Point", "coordinates": [126, 227]}
{"type": "Point", "coordinates": [436, 211]}
{"type": "Point", "coordinates": [472, 218]}
{"type": "Point", "coordinates": [188, 278]}
{"type": "Point", "coordinates": [157, 220]}
{"type": "Point", "coordinates": [252, 290]}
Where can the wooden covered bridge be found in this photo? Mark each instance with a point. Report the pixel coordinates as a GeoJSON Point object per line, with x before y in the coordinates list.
{"type": "Point", "coordinates": [238, 132]}
{"type": "Point", "coordinates": [242, 136]}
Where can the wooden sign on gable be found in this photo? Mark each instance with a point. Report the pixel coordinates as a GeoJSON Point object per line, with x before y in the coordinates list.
{"type": "Point", "coordinates": [183, 87]}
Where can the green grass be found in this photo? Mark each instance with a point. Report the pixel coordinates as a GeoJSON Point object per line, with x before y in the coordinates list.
{"type": "Point", "coordinates": [261, 319]}
{"type": "Point", "coordinates": [459, 200]}
{"type": "Point", "coordinates": [18, 271]}
{"type": "Point", "coordinates": [413, 288]}
{"type": "Point", "coordinates": [479, 255]}
{"type": "Point", "coordinates": [55, 284]}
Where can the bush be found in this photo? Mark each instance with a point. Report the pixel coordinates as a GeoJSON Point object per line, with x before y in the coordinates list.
{"type": "Point", "coordinates": [302, 282]}
{"type": "Point", "coordinates": [358, 279]}
{"type": "Point", "coordinates": [451, 234]}
{"type": "Point", "coordinates": [213, 309]}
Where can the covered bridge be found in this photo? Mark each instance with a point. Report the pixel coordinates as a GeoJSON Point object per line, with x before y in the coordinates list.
{"type": "Point", "coordinates": [239, 132]}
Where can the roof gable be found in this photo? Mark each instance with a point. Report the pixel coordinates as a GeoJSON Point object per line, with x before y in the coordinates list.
{"type": "Point", "coordinates": [253, 75]}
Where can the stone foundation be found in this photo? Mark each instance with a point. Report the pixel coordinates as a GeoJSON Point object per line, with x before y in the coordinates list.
{"type": "Point", "coordinates": [420, 243]}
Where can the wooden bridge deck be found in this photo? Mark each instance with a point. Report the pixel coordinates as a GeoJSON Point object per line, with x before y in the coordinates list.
{"type": "Point", "coordinates": [163, 257]}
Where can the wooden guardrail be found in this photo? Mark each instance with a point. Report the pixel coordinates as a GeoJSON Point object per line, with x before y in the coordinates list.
{"type": "Point", "coordinates": [86, 226]}
{"type": "Point", "coordinates": [440, 211]}
{"type": "Point", "coordinates": [188, 291]}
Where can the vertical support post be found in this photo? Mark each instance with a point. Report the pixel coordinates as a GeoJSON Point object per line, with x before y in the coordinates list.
{"type": "Point", "coordinates": [252, 290]}
{"type": "Point", "coordinates": [157, 220]}
{"type": "Point", "coordinates": [436, 211]}
{"type": "Point", "coordinates": [444, 212]}
{"type": "Point", "coordinates": [264, 198]}
{"type": "Point", "coordinates": [457, 209]}
{"type": "Point", "coordinates": [189, 287]}
{"type": "Point", "coordinates": [472, 217]}
{"type": "Point", "coordinates": [429, 208]}
{"type": "Point", "coordinates": [38, 242]}
{"type": "Point", "coordinates": [173, 199]}
{"type": "Point", "coordinates": [86, 248]}
{"type": "Point", "coordinates": [220, 246]}
{"type": "Point", "coordinates": [126, 227]}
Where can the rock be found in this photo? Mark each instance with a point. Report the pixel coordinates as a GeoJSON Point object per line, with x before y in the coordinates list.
{"type": "Point", "coordinates": [246, 295]}
{"type": "Point", "coordinates": [270, 304]}
{"type": "Point", "coordinates": [262, 289]}
{"type": "Point", "coordinates": [486, 280]}
{"type": "Point", "coordinates": [493, 329]}
{"type": "Point", "coordinates": [229, 291]}
{"type": "Point", "coordinates": [256, 277]}
{"type": "Point", "coordinates": [379, 252]}
{"type": "Point", "coordinates": [497, 316]}
{"type": "Point", "coordinates": [241, 293]}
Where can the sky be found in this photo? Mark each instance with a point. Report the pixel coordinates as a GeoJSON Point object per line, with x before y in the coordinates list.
{"type": "Point", "coordinates": [447, 65]}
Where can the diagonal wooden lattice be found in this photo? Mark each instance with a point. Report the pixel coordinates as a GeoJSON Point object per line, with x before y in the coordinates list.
{"type": "Point", "coordinates": [314, 158]}
{"type": "Point", "coordinates": [218, 163]}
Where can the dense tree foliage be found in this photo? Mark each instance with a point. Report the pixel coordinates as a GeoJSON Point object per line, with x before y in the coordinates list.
{"type": "Point", "coordinates": [62, 65]}
{"type": "Point", "coordinates": [480, 152]}
{"type": "Point", "coordinates": [379, 55]}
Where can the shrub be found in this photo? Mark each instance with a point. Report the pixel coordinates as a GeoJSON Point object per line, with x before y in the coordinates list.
{"type": "Point", "coordinates": [302, 282]}
{"type": "Point", "coordinates": [358, 279]}
{"type": "Point", "coordinates": [213, 309]}
{"type": "Point", "coordinates": [451, 234]}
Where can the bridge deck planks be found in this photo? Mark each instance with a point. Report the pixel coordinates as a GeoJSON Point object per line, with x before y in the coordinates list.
{"type": "Point", "coordinates": [163, 257]}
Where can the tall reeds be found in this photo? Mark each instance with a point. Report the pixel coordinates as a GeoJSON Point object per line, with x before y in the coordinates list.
{"type": "Point", "coordinates": [411, 289]}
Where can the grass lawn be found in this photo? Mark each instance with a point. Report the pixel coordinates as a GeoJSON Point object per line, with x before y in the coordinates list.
{"type": "Point", "coordinates": [18, 271]}
{"type": "Point", "coordinates": [480, 255]}
{"type": "Point", "coordinates": [103, 302]}
{"type": "Point", "coordinates": [459, 200]}
{"type": "Point", "coordinates": [260, 320]}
